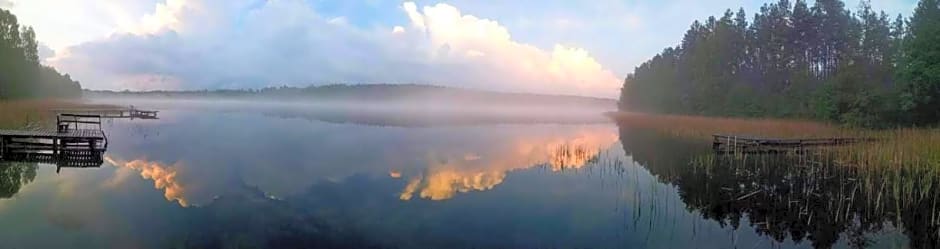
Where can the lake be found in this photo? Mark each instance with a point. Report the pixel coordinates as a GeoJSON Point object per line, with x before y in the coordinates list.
{"type": "Point", "coordinates": [282, 176]}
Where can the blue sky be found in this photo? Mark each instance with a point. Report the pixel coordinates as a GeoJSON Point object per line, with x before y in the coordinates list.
{"type": "Point", "coordinates": [552, 46]}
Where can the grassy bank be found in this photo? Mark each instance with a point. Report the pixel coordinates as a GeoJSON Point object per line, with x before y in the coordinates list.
{"type": "Point", "coordinates": [23, 114]}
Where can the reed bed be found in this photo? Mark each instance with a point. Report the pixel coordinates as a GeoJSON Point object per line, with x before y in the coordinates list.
{"type": "Point", "coordinates": [811, 194]}
{"type": "Point", "coordinates": [31, 114]}
{"type": "Point", "coordinates": [895, 148]}
{"type": "Point", "coordinates": [903, 163]}
{"type": "Point", "coordinates": [894, 179]}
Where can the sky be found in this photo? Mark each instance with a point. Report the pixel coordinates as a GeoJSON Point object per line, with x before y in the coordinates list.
{"type": "Point", "coordinates": [540, 46]}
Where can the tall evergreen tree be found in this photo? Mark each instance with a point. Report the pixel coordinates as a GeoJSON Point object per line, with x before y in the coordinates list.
{"type": "Point", "coordinates": [920, 67]}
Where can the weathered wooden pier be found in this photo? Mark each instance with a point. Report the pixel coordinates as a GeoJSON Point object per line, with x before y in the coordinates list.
{"type": "Point", "coordinates": [130, 112]}
{"type": "Point", "coordinates": [747, 144]}
{"type": "Point", "coordinates": [77, 141]}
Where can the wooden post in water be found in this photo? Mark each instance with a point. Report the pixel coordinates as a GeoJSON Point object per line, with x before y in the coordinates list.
{"type": "Point", "coordinates": [91, 146]}
{"type": "Point", "coordinates": [5, 151]}
{"type": "Point", "coordinates": [55, 149]}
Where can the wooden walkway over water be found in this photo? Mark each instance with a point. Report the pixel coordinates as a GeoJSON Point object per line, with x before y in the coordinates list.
{"type": "Point", "coordinates": [130, 112]}
{"type": "Point", "coordinates": [747, 144]}
{"type": "Point", "coordinates": [71, 144]}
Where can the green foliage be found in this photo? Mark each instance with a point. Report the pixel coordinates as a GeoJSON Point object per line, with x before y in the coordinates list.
{"type": "Point", "coordinates": [920, 68]}
{"type": "Point", "coordinates": [795, 60]}
{"type": "Point", "coordinates": [23, 76]}
{"type": "Point", "coordinates": [852, 99]}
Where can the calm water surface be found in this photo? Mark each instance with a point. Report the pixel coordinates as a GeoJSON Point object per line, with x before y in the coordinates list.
{"type": "Point", "coordinates": [205, 176]}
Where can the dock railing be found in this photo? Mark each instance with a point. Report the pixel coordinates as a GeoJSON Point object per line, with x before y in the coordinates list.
{"type": "Point", "coordinates": [66, 122]}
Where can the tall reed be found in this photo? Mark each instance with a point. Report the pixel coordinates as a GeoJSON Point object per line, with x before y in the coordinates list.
{"type": "Point", "coordinates": [895, 148]}
{"type": "Point", "coordinates": [24, 114]}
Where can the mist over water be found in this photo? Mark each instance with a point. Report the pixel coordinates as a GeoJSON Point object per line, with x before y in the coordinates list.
{"type": "Point", "coordinates": [418, 112]}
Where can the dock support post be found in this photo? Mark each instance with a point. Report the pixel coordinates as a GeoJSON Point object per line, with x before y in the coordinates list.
{"type": "Point", "coordinates": [5, 150]}
{"type": "Point", "coordinates": [92, 147]}
{"type": "Point", "coordinates": [55, 149]}
{"type": "Point", "coordinates": [715, 143]}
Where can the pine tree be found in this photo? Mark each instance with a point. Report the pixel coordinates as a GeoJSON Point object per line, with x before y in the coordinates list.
{"type": "Point", "coordinates": [920, 67]}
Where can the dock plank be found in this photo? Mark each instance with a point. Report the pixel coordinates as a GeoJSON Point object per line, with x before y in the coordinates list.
{"type": "Point", "coordinates": [52, 133]}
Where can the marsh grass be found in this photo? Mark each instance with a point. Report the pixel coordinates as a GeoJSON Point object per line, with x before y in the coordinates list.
{"type": "Point", "coordinates": [819, 192]}
{"type": "Point", "coordinates": [908, 148]}
{"type": "Point", "coordinates": [898, 171]}
{"type": "Point", "coordinates": [34, 114]}
{"type": "Point", "coordinates": [823, 195]}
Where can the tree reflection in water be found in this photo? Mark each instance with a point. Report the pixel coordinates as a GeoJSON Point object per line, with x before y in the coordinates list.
{"type": "Point", "coordinates": [14, 176]}
{"type": "Point", "coordinates": [797, 196]}
{"type": "Point", "coordinates": [249, 219]}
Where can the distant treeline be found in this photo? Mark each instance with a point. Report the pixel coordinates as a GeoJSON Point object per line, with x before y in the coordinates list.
{"type": "Point", "coordinates": [412, 93]}
{"type": "Point", "coordinates": [21, 74]}
{"type": "Point", "coordinates": [795, 60]}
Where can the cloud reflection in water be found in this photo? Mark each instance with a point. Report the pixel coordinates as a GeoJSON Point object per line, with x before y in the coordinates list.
{"type": "Point", "coordinates": [447, 176]}
{"type": "Point", "coordinates": [163, 176]}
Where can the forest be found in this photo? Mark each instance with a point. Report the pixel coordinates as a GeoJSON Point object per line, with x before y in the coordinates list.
{"type": "Point", "coordinates": [795, 60]}
{"type": "Point", "coordinates": [23, 76]}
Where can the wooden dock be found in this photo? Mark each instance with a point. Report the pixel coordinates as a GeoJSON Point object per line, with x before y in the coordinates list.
{"type": "Point", "coordinates": [747, 144]}
{"type": "Point", "coordinates": [130, 112]}
{"type": "Point", "coordinates": [71, 144]}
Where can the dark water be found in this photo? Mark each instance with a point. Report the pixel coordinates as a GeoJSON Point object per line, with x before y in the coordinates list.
{"type": "Point", "coordinates": [205, 176]}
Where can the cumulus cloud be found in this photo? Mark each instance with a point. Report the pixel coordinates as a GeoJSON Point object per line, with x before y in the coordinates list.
{"type": "Point", "coordinates": [186, 44]}
{"type": "Point", "coordinates": [487, 46]}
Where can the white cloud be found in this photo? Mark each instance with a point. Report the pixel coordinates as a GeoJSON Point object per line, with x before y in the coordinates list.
{"type": "Point", "coordinates": [489, 46]}
{"type": "Point", "coordinates": [60, 24]}
{"type": "Point", "coordinates": [238, 44]}
{"type": "Point", "coordinates": [164, 17]}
